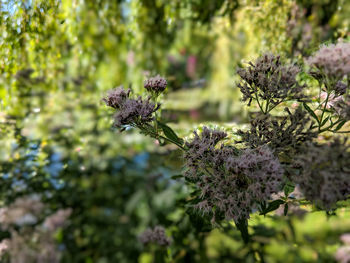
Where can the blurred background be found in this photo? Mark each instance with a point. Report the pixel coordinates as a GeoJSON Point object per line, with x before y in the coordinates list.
{"type": "Point", "coordinates": [59, 58]}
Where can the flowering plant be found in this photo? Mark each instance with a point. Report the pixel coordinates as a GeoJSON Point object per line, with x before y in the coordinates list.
{"type": "Point", "coordinates": [277, 154]}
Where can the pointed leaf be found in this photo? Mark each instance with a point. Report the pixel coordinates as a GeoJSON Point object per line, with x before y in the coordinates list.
{"type": "Point", "coordinates": [169, 133]}
{"type": "Point", "coordinates": [288, 188]}
{"type": "Point", "coordinates": [272, 206]}
{"type": "Point", "coordinates": [324, 121]}
{"type": "Point", "coordinates": [340, 125]}
{"type": "Point", "coordinates": [309, 110]}
{"type": "Point", "coordinates": [177, 176]}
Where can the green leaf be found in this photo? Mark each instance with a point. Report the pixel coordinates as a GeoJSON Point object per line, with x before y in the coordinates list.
{"type": "Point", "coordinates": [288, 188]}
{"type": "Point", "coordinates": [341, 124]}
{"type": "Point", "coordinates": [324, 121]}
{"type": "Point", "coordinates": [272, 206]}
{"type": "Point", "coordinates": [177, 176]}
{"type": "Point", "coordinates": [169, 133]}
{"type": "Point", "coordinates": [311, 112]}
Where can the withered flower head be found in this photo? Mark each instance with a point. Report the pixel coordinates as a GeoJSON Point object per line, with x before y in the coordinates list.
{"type": "Point", "coordinates": [156, 84]}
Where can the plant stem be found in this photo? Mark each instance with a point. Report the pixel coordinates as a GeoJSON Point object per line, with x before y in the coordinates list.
{"type": "Point", "coordinates": [157, 136]}
{"type": "Point", "coordinates": [257, 99]}
{"type": "Point", "coordinates": [267, 106]}
{"type": "Point", "coordinates": [324, 109]}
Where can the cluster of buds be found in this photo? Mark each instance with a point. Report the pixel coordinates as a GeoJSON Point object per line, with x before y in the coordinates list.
{"type": "Point", "coordinates": [155, 236]}
{"type": "Point", "coordinates": [155, 85]}
{"type": "Point", "coordinates": [267, 79]}
{"type": "Point", "coordinates": [130, 111]}
{"type": "Point", "coordinates": [135, 112]}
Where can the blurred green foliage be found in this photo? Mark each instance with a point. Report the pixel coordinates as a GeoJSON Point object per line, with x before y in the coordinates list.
{"type": "Point", "coordinates": [58, 58]}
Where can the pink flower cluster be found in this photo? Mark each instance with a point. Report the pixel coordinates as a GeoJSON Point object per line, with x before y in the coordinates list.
{"type": "Point", "coordinates": [333, 60]}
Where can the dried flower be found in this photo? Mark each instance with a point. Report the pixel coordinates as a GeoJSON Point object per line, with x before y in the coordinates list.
{"type": "Point", "coordinates": [230, 182]}
{"type": "Point", "coordinates": [332, 60]}
{"type": "Point", "coordinates": [325, 169]}
{"type": "Point", "coordinates": [291, 131]}
{"type": "Point", "coordinates": [269, 80]}
{"type": "Point", "coordinates": [156, 236]}
{"type": "Point", "coordinates": [156, 84]}
{"type": "Point", "coordinates": [130, 111]}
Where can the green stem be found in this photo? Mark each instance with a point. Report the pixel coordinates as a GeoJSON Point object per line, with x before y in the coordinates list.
{"type": "Point", "coordinates": [267, 106]}
{"type": "Point", "coordinates": [242, 226]}
{"type": "Point", "coordinates": [324, 109]}
{"type": "Point", "coordinates": [157, 136]}
{"type": "Point", "coordinates": [341, 131]}
{"type": "Point", "coordinates": [330, 126]}
{"type": "Point", "coordinates": [257, 99]}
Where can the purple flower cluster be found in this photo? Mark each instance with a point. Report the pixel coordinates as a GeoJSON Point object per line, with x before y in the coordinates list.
{"type": "Point", "coordinates": [230, 182]}
{"type": "Point", "coordinates": [288, 133]}
{"type": "Point", "coordinates": [325, 170]}
{"type": "Point", "coordinates": [268, 79]}
{"type": "Point", "coordinates": [117, 97]}
{"type": "Point", "coordinates": [130, 111]}
{"type": "Point", "coordinates": [332, 60]}
{"type": "Point", "coordinates": [155, 236]}
{"type": "Point", "coordinates": [156, 84]}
